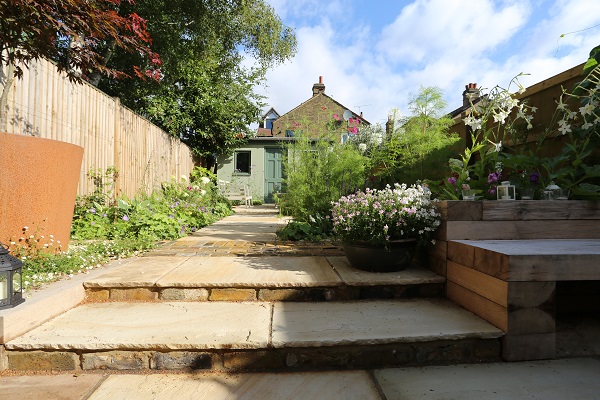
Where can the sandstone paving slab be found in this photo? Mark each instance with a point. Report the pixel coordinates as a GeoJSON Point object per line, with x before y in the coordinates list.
{"type": "Point", "coordinates": [413, 275]}
{"type": "Point", "coordinates": [539, 380]}
{"type": "Point", "coordinates": [144, 271]}
{"type": "Point", "coordinates": [351, 385]}
{"type": "Point", "coordinates": [49, 301]}
{"type": "Point", "coordinates": [251, 272]}
{"type": "Point", "coordinates": [140, 326]}
{"type": "Point", "coordinates": [248, 232]}
{"type": "Point", "coordinates": [375, 322]}
{"type": "Point", "coordinates": [64, 387]}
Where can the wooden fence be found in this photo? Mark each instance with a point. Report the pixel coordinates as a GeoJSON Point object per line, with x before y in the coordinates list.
{"type": "Point", "coordinates": [544, 96]}
{"type": "Point", "coordinates": [46, 104]}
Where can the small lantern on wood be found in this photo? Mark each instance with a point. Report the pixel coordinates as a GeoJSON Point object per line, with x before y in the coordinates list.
{"type": "Point", "coordinates": [552, 192]}
{"type": "Point", "coordinates": [506, 191]}
{"type": "Point", "coordinates": [11, 282]}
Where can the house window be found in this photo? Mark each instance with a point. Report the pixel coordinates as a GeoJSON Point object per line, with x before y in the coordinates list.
{"type": "Point", "coordinates": [292, 133]}
{"type": "Point", "coordinates": [242, 162]}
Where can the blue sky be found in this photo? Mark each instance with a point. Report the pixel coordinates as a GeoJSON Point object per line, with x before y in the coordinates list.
{"type": "Point", "coordinates": [373, 54]}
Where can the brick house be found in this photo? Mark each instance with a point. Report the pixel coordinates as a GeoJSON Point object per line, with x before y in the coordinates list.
{"type": "Point", "coordinates": [259, 164]}
{"type": "Point", "coordinates": [318, 117]}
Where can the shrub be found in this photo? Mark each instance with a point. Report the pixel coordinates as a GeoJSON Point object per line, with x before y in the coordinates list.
{"type": "Point", "coordinates": [177, 209]}
{"type": "Point", "coordinates": [317, 174]}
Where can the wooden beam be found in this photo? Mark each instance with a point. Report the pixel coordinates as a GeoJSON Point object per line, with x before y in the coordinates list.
{"type": "Point", "coordinates": [478, 305]}
{"type": "Point", "coordinates": [510, 230]}
{"type": "Point", "coordinates": [482, 284]}
{"type": "Point", "coordinates": [461, 253]}
{"type": "Point", "coordinates": [540, 210]}
{"type": "Point", "coordinates": [564, 267]}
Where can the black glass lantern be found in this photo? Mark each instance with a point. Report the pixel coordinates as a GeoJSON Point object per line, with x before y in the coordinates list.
{"type": "Point", "coordinates": [11, 282]}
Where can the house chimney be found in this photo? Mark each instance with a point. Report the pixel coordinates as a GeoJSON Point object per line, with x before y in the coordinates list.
{"type": "Point", "coordinates": [318, 87]}
{"type": "Point", "coordinates": [389, 127]}
{"type": "Point", "coordinates": [470, 94]}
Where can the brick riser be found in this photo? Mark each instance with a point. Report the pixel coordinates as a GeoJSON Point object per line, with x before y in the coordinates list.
{"type": "Point", "coordinates": [338, 293]}
{"type": "Point", "coordinates": [440, 352]}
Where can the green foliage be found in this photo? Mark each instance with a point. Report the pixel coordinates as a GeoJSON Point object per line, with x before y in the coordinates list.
{"type": "Point", "coordinates": [319, 172]}
{"type": "Point", "coordinates": [577, 168]}
{"type": "Point", "coordinates": [298, 230]}
{"type": "Point", "coordinates": [496, 117]}
{"type": "Point", "coordinates": [178, 209]}
{"type": "Point", "coordinates": [200, 172]}
{"type": "Point", "coordinates": [45, 267]}
{"type": "Point", "coordinates": [420, 147]}
{"type": "Point", "coordinates": [104, 185]}
{"type": "Point", "coordinates": [206, 94]}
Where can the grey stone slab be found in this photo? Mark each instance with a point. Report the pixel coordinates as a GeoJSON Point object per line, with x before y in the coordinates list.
{"type": "Point", "coordinates": [541, 380]}
{"type": "Point", "coordinates": [353, 385]}
{"type": "Point", "coordinates": [64, 387]}
{"type": "Point", "coordinates": [251, 272]}
{"type": "Point", "coordinates": [413, 275]}
{"type": "Point", "coordinates": [375, 322]}
{"type": "Point", "coordinates": [157, 326]}
{"type": "Point", "coordinates": [545, 247]}
{"type": "Point", "coordinates": [142, 271]}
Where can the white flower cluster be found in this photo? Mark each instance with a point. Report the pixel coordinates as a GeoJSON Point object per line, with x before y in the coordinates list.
{"type": "Point", "coordinates": [590, 109]}
{"type": "Point", "coordinates": [379, 216]}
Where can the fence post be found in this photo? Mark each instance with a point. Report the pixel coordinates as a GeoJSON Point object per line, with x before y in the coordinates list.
{"type": "Point", "coordinates": [117, 146]}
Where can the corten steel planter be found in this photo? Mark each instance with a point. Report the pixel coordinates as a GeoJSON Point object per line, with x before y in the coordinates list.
{"type": "Point", "coordinates": [38, 186]}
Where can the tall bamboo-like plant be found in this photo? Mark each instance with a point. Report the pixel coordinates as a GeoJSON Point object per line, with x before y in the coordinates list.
{"type": "Point", "coordinates": [420, 145]}
{"type": "Point", "coordinates": [318, 173]}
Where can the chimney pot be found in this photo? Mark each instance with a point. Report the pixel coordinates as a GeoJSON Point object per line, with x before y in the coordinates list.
{"type": "Point", "coordinates": [470, 94]}
{"type": "Point", "coordinates": [318, 87]}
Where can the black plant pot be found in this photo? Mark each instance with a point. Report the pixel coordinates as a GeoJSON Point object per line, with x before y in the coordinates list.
{"type": "Point", "coordinates": [366, 257]}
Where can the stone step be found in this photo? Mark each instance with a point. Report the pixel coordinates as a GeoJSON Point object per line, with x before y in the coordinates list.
{"type": "Point", "coordinates": [251, 336]}
{"type": "Point", "coordinates": [195, 278]}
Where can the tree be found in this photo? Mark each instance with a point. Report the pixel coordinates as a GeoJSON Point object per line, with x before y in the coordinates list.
{"type": "Point", "coordinates": [421, 146]}
{"type": "Point", "coordinates": [206, 94]}
{"type": "Point", "coordinates": [73, 34]}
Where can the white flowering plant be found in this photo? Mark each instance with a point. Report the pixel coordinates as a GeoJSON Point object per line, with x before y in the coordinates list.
{"type": "Point", "coordinates": [577, 124]}
{"type": "Point", "coordinates": [380, 216]}
{"type": "Point", "coordinates": [495, 116]}
{"type": "Point", "coordinates": [504, 147]}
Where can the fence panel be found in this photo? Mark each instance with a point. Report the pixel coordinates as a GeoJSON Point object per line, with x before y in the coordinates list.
{"type": "Point", "coordinates": [44, 103]}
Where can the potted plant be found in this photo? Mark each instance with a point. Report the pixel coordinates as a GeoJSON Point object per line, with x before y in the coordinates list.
{"type": "Point", "coordinates": [381, 229]}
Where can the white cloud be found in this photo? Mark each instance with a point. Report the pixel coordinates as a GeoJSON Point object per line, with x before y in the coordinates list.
{"type": "Point", "coordinates": [446, 43]}
{"type": "Point", "coordinates": [430, 29]}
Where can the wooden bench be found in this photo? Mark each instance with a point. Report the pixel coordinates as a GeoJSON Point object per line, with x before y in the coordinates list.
{"type": "Point", "coordinates": [235, 193]}
{"type": "Point", "coordinates": [512, 284]}
{"type": "Point", "coordinates": [503, 260]}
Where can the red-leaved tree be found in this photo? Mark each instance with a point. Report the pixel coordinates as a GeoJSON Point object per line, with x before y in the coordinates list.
{"type": "Point", "coordinates": [78, 35]}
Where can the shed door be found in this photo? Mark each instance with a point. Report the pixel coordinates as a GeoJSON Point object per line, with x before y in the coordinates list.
{"type": "Point", "coordinates": [273, 172]}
